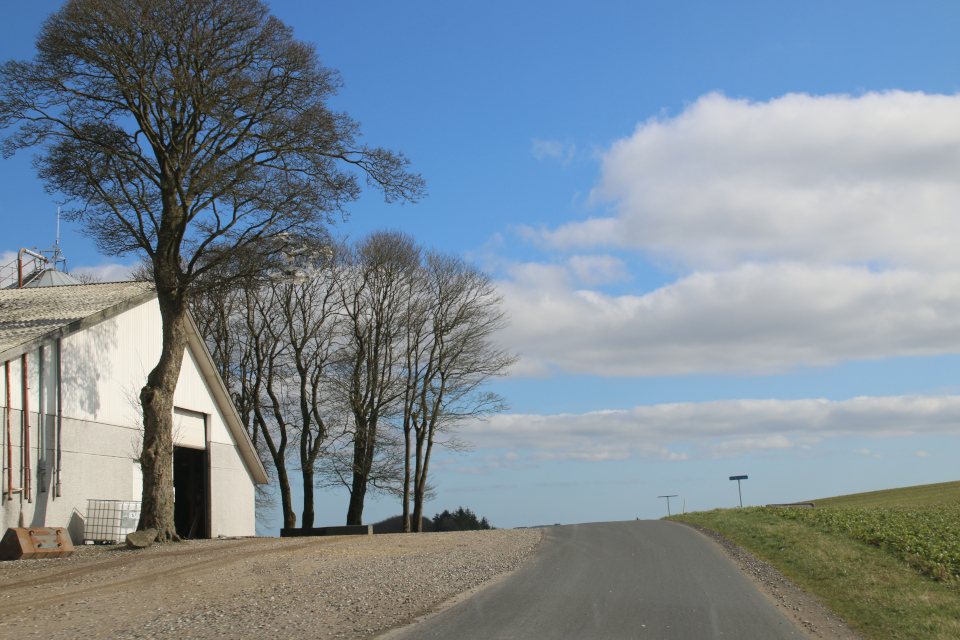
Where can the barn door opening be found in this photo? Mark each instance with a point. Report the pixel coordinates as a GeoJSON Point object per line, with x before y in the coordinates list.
{"type": "Point", "coordinates": [190, 492]}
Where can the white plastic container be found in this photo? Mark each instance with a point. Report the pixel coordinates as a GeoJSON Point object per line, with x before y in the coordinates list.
{"type": "Point", "coordinates": [109, 521]}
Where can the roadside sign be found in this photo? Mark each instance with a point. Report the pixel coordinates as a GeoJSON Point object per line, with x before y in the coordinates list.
{"type": "Point", "coordinates": [739, 492]}
{"type": "Point", "coordinates": [672, 495]}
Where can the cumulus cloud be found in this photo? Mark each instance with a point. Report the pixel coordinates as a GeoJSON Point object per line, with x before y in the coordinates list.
{"type": "Point", "coordinates": [598, 269]}
{"type": "Point", "coordinates": [756, 318]}
{"type": "Point", "coordinates": [820, 179]}
{"type": "Point", "coordinates": [727, 428]}
{"type": "Point", "coordinates": [807, 230]}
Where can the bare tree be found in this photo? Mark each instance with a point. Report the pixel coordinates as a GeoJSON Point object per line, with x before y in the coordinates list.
{"type": "Point", "coordinates": [308, 323]}
{"type": "Point", "coordinates": [452, 319]}
{"type": "Point", "coordinates": [219, 314]}
{"type": "Point", "coordinates": [374, 290]}
{"type": "Point", "coordinates": [261, 370]}
{"type": "Point", "coordinates": [188, 131]}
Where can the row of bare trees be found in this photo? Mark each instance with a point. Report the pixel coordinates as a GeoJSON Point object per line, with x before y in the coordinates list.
{"type": "Point", "coordinates": [354, 361]}
{"type": "Point", "coordinates": [196, 134]}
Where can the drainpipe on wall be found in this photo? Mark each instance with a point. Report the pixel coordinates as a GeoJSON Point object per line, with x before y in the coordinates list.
{"type": "Point", "coordinates": [41, 435]}
{"type": "Point", "coordinates": [7, 414]}
{"type": "Point", "coordinates": [26, 431]}
{"type": "Point", "coordinates": [56, 491]}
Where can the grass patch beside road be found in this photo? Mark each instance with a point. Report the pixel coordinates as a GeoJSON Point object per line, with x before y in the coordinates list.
{"type": "Point", "coordinates": [871, 589]}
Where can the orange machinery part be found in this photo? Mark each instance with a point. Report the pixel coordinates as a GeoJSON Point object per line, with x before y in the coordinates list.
{"type": "Point", "coordinates": [28, 543]}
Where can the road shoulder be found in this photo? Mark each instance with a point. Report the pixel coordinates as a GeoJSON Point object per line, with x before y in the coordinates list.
{"type": "Point", "coordinates": [804, 609]}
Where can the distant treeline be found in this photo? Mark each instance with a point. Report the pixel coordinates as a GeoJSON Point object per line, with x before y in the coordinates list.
{"type": "Point", "coordinates": [459, 520]}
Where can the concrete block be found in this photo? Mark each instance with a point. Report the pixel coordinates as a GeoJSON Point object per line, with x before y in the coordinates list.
{"type": "Point", "coordinates": [347, 530]}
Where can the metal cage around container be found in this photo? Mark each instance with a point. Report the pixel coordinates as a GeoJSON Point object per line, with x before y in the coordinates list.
{"type": "Point", "coordinates": [109, 521]}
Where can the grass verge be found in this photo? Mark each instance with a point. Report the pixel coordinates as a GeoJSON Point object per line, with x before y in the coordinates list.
{"type": "Point", "coordinates": [870, 589]}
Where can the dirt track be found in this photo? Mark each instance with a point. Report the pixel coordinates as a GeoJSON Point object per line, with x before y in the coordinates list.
{"type": "Point", "coordinates": [266, 587]}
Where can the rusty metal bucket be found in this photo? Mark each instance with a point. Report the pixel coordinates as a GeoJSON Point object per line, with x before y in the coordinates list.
{"type": "Point", "coordinates": [29, 543]}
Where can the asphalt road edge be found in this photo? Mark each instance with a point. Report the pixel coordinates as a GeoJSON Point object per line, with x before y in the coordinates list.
{"type": "Point", "coordinates": [454, 600]}
{"type": "Point", "coordinates": [808, 614]}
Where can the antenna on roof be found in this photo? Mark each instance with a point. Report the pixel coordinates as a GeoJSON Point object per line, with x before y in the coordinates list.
{"type": "Point", "coordinates": [57, 241]}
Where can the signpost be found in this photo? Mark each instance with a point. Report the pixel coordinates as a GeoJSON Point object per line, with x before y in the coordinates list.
{"type": "Point", "coordinates": [738, 479]}
{"type": "Point", "coordinates": [668, 502]}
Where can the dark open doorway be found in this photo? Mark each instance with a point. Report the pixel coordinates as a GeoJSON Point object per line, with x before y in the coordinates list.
{"type": "Point", "coordinates": [190, 491]}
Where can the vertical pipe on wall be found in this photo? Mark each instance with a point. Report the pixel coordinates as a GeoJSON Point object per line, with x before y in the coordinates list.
{"type": "Point", "coordinates": [7, 415]}
{"type": "Point", "coordinates": [26, 430]}
{"type": "Point", "coordinates": [41, 433]}
{"type": "Point", "coordinates": [56, 491]}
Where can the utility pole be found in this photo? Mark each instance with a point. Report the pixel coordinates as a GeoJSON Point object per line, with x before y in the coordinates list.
{"type": "Point", "coordinates": [668, 502]}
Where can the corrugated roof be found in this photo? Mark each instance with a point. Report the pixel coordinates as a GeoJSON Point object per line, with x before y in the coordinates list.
{"type": "Point", "coordinates": [30, 313]}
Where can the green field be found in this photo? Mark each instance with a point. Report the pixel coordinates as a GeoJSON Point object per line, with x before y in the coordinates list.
{"type": "Point", "coordinates": [888, 562]}
{"type": "Point", "coordinates": [924, 495]}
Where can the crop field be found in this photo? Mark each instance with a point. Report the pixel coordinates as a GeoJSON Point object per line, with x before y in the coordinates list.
{"type": "Point", "coordinates": [926, 495]}
{"type": "Point", "coordinates": [888, 562]}
{"type": "Point", "coordinates": [926, 537]}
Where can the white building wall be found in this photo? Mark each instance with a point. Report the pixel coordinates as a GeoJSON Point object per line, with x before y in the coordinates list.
{"type": "Point", "coordinates": [96, 464]}
{"type": "Point", "coordinates": [104, 368]}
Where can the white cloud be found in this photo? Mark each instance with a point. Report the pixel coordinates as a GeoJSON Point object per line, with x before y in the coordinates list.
{"type": "Point", "coordinates": [484, 489]}
{"type": "Point", "coordinates": [736, 448]}
{"type": "Point", "coordinates": [491, 461]}
{"type": "Point", "coordinates": [922, 454]}
{"type": "Point", "coordinates": [7, 275]}
{"type": "Point", "coordinates": [106, 272]}
{"type": "Point", "coordinates": [554, 150]}
{"type": "Point", "coordinates": [819, 179]}
{"type": "Point", "coordinates": [727, 428]}
{"type": "Point", "coordinates": [809, 230]}
{"type": "Point", "coordinates": [599, 269]}
{"type": "Point", "coordinates": [754, 318]}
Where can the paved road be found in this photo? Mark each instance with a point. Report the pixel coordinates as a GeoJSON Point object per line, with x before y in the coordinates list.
{"type": "Point", "coordinates": [641, 579]}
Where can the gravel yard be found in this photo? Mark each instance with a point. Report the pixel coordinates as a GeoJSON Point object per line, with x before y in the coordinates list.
{"type": "Point", "coordinates": [336, 587]}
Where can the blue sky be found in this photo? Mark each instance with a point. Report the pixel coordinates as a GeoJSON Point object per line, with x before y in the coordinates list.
{"type": "Point", "coordinates": [725, 233]}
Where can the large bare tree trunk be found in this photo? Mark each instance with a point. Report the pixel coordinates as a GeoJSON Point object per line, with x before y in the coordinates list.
{"type": "Point", "coordinates": [286, 499]}
{"type": "Point", "coordinates": [420, 478]}
{"type": "Point", "coordinates": [406, 481]}
{"type": "Point", "coordinates": [156, 398]}
{"type": "Point", "coordinates": [363, 446]}
{"type": "Point", "coordinates": [355, 509]}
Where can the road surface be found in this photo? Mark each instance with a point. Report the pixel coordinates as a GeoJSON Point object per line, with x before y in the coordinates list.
{"type": "Point", "coordinates": [636, 579]}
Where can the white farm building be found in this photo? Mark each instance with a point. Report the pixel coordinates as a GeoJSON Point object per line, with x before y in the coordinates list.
{"type": "Point", "coordinates": [72, 361]}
